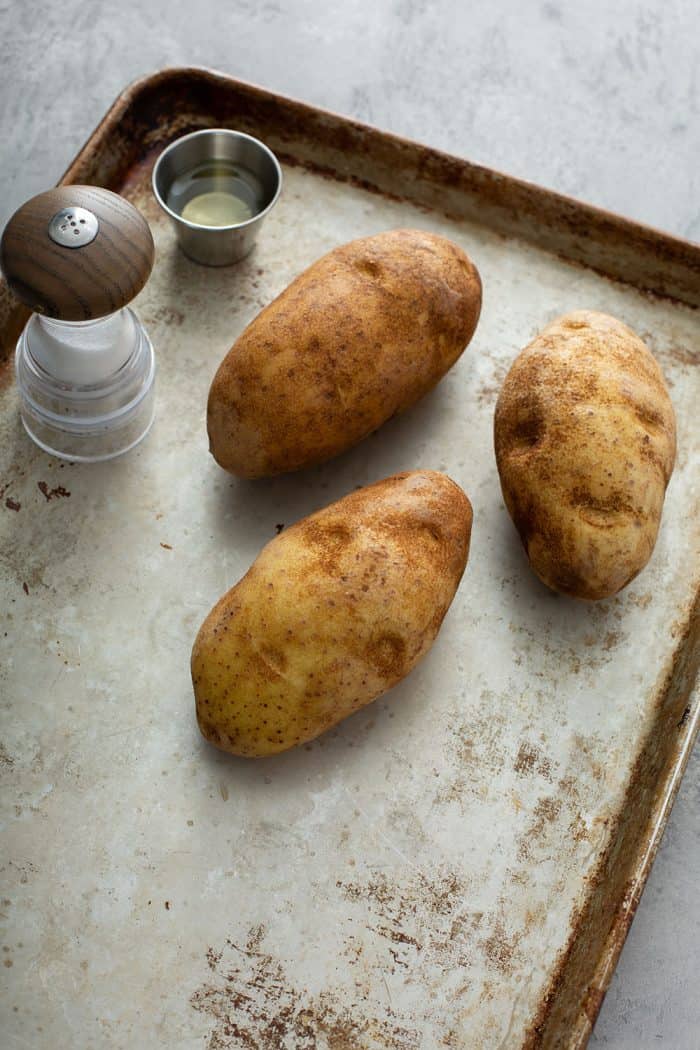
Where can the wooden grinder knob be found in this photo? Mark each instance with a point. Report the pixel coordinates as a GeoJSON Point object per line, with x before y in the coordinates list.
{"type": "Point", "coordinates": [76, 253]}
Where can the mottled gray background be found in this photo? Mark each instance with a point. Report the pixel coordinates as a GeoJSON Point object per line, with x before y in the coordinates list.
{"type": "Point", "coordinates": [595, 98]}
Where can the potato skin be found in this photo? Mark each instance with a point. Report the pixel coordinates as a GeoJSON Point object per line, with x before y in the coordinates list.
{"type": "Point", "coordinates": [585, 439]}
{"type": "Point", "coordinates": [362, 334]}
{"type": "Point", "coordinates": [334, 611]}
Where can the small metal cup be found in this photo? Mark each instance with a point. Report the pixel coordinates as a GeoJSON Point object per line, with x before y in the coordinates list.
{"type": "Point", "coordinates": [218, 245]}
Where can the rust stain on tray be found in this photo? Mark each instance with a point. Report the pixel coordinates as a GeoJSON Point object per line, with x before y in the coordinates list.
{"type": "Point", "coordinates": [49, 494]}
{"type": "Point", "coordinates": [254, 1002]}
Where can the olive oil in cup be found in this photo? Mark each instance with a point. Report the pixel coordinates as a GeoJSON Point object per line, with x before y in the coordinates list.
{"type": "Point", "coordinates": [217, 186]}
{"type": "Point", "coordinates": [217, 193]}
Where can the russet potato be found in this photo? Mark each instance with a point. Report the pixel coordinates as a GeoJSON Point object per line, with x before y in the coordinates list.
{"type": "Point", "coordinates": [585, 442]}
{"type": "Point", "coordinates": [334, 611]}
{"type": "Point", "coordinates": [362, 334]}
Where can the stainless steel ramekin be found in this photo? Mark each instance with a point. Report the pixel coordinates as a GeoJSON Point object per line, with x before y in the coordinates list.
{"type": "Point", "coordinates": [217, 245]}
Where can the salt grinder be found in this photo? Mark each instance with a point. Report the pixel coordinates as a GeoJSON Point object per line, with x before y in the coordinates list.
{"type": "Point", "coordinates": [85, 366]}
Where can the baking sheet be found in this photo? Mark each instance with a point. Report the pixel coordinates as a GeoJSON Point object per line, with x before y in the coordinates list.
{"type": "Point", "coordinates": [456, 864]}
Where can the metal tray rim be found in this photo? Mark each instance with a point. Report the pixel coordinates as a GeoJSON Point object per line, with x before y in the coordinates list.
{"type": "Point", "coordinates": [135, 87]}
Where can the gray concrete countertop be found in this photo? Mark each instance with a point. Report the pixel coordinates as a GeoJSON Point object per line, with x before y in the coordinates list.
{"type": "Point", "coordinates": [598, 100]}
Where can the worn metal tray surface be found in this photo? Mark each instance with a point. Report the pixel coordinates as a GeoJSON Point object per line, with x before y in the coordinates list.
{"type": "Point", "coordinates": [456, 865]}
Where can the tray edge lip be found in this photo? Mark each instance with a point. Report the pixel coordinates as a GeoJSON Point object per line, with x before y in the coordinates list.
{"type": "Point", "coordinates": [143, 83]}
{"type": "Point", "coordinates": [647, 846]}
{"type": "Point", "coordinates": [658, 819]}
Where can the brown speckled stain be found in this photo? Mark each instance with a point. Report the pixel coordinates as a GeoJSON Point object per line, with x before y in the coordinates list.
{"type": "Point", "coordinates": [526, 758]}
{"type": "Point", "coordinates": [501, 949]}
{"type": "Point", "coordinates": [477, 743]}
{"type": "Point", "coordinates": [54, 493]}
{"type": "Point", "coordinates": [642, 601]}
{"type": "Point", "coordinates": [544, 817]}
{"type": "Point", "coordinates": [163, 314]}
{"type": "Point", "coordinates": [612, 640]}
{"type": "Point", "coordinates": [420, 918]}
{"type": "Point", "coordinates": [253, 1002]}
{"type": "Point", "coordinates": [487, 393]}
